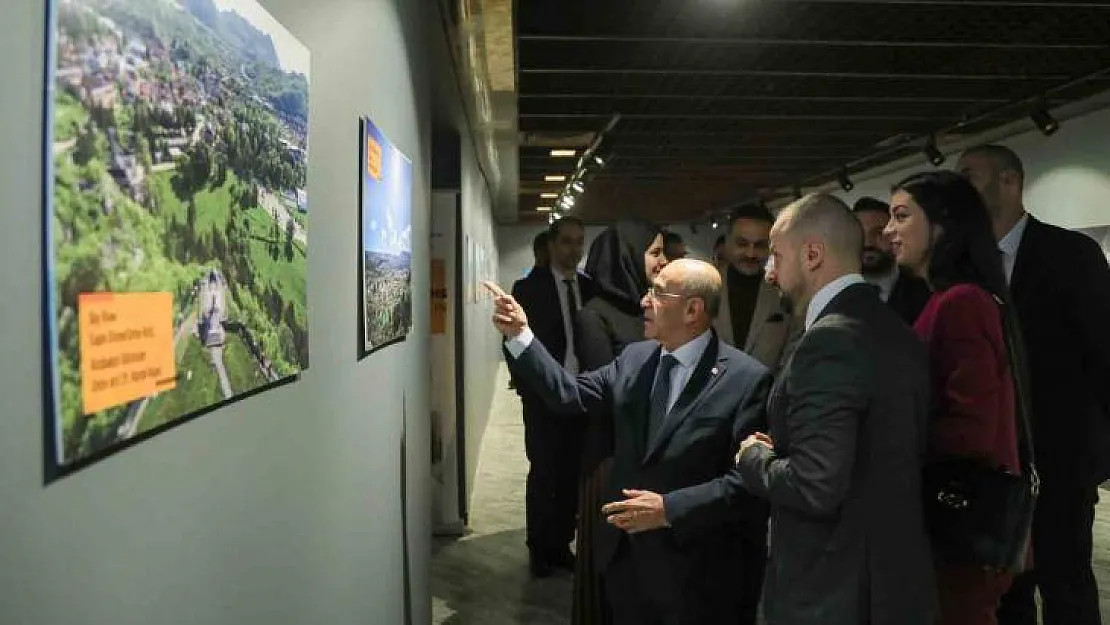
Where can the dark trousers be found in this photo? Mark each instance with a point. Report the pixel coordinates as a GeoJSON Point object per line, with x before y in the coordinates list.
{"type": "Point", "coordinates": [646, 591]}
{"type": "Point", "coordinates": [1062, 544]}
{"type": "Point", "coordinates": [554, 447]}
{"type": "Point", "coordinates": [750, 570]}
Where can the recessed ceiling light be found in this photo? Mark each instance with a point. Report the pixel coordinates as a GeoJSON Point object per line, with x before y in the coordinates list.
{"type": "Point", "coordinates": [555, 178]}
{"type": "Point", "coordinates": [543, 209]}
{"type": "Point", "coordinates": [563, 153]}
{"type": "Point", "coordinates": [549, 195]}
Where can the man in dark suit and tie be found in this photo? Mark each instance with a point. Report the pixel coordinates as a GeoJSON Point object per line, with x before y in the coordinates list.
{"type": "Point", "coordinates": [898, 287]}
{"type": "Point", "coordinates": [551, 295]}
{"type": "Point", "coordinates": [842, 464]}
{"type": "Point", "coordinates": [682, 402]}
{"type": "Point", "coordinates": [1061, 289]}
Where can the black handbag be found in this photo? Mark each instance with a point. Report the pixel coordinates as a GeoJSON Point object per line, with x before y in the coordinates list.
{"type": "Point", "coordinates": [984, 514]}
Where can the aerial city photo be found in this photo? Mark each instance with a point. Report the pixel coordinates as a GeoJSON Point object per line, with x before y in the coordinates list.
{"type": "Point", "coordinates": [386, 215]}
{"type": "Point", "coordinates": [179, 156]}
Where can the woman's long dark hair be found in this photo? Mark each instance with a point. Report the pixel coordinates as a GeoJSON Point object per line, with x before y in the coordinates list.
{"type": "Point", "coordinates": [967, 252]}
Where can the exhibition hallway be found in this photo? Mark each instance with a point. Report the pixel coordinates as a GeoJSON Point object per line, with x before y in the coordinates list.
{"type": "Point", "coordinates": [483, 577]}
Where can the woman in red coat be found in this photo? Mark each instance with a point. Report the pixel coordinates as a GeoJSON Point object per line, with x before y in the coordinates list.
{"type": "Point", "coordinates": [940, 229]}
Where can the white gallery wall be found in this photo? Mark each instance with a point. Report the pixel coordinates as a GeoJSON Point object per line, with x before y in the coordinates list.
{"type": "Point", "coordinates": [1067, 174]}
{"type": "Point", "coordinates": [281, 509]}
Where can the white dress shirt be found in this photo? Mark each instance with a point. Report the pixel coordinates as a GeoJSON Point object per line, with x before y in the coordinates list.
{"type": "Point", "coordinates": [1009, 245]}
{"type": "Point", "coordinates": [687, 356]}
{"type": "Point", "coordinates": [821, 300]}
{"type": "Point", "coordinates": [885, 282]}
{"type": "Point", "coordinates": [570, 359]}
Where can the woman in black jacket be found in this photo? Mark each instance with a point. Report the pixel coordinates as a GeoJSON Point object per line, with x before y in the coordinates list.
{"type": "Point", "coordinates": [622, 262]}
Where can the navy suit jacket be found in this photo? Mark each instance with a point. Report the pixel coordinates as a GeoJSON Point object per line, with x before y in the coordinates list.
{"type": "Point", "coordinates": [689, 461]}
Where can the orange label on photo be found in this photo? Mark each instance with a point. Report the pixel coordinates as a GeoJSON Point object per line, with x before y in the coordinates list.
{"type": "Point", "coordinates": [373, 158]}
{"type": "Point", "coordinates": [127, 351]}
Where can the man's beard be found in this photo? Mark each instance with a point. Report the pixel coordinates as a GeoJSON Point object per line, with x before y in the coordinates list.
{"type": "Point", "coordinates": [876, 261]}
{"type": "Point", "coordinates": [749, 267]}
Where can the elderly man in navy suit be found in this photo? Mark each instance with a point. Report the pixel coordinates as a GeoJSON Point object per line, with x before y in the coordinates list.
{"type": "Point", "coordinates": [681, 402]}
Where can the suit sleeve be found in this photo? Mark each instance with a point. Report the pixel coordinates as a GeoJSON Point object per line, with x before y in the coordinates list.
{"type": "Point", "coordinates": [592, 343]}
{"type": "Point", "coordinates": [827, 396]}
{"type": "Point", "coordinates": [1089, 301]}
{"type": "Point", "coordinates": [965, 352]}
{"type": "Point", "coordinates": [694, 509]}
{"type": "Point", "coordinates": [562, 392]}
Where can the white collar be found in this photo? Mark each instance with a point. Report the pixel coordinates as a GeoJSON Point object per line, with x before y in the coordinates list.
{"type": "Point", "coordinates": [689, 353]}
{"type": "Point", "coordinates": [827, 293]}
{"type": "Point", "coordinates": [1009, 243]}
{"type": "Point", "coordinates": [560, 277]}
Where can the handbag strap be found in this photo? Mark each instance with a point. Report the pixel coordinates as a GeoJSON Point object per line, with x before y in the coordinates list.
{"type": "Point", "coordinates": [1015, 350]}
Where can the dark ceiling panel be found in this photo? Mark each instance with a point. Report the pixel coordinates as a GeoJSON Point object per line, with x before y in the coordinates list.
{"type": "Point", "coordinates": [721, 101]}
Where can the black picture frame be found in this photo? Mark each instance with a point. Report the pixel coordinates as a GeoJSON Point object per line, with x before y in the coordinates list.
{"type": "Point", "coordinates": [54, 468]}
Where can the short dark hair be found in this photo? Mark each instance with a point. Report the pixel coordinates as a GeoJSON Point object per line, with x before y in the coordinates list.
{"type": "Point", "coordinates": [870, 204]}
{"type": "Point", "coordinates": [1004, 158]}
{"type": "Point", "coordinates": [539, 243]}
{"type": "Point", "coordinates": [672, 237]}
{"type": "Point", "coordinates": [557, 226]}
{"type": "Point", "coordinates": [719, 242]}
{"type": "Point", "coordinates": [756, 212]}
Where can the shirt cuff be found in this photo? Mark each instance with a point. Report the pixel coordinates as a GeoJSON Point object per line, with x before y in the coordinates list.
{"type": "Point", "coordinates": [520, 342]}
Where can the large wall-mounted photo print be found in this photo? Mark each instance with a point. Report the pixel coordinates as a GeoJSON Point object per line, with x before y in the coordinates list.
{"type": "Point", "coordinates": [176, 223]}
{"type": "Point", "coordinates": [385, 214]}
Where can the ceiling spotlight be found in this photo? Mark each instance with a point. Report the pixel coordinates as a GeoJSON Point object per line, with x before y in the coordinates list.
{"type": "Point", "coordinates": [543, 209]}
{"type": "Point", "coordinates": [844, 180]}
{"type": "Point", "coordinates": [713, 224]}
{"type": "Point", "coordinates": [578, 186]}
{"type": "Point", "coordinates": [1044, 121]}
{"type": "Point", "coordinates": [566, 202]}
{"type": "Point", "coordinates": [935, 156]}
{"type": "Point", "coordinates": [549, 196]}
{"type": "Point", "coordinates": [556, 216]}
{"type": "Point", "coordinates": [554, 178]}
{"type": "Point", "coordinates": [600, 161]}
{"type": "Point", "coordinates": [563, 153]}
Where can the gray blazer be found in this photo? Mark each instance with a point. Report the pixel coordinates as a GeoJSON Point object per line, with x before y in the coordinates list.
{"type": "Point", "coordinates": [772, 329]}
{"type": "Point", "coordinates": [848, 417]}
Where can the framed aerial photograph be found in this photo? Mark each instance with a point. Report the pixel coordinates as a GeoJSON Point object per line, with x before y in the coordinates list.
{"type": "Point", "coordinates": [385, 229]}
{"type": "Point", "coordinates": [176, 216]}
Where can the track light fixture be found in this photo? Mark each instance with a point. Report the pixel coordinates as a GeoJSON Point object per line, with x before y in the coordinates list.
{"type": "Point", "coordinates": [1044, 120]}
{"type": "Point", "coordinates": [578, 186]}
{"type": "Point", "coordinates": [935, 156]}
{"type": "Point", "coordinates": [844, 180]}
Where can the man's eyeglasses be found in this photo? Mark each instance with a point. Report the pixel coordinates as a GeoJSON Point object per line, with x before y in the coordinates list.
{"type": "Point", "coordinates": [656, 294]}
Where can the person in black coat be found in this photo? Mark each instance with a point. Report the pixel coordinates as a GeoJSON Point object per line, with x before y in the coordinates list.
{"type": "Point", "coordinates": [552, 296]}
{"type": "Point", "coordinates": [906, 293]}
{"type": "Point", "coordinates": [622, 262]}
{"type": "Point", "coordinates": [680, 403]}
{"type": "Point", "coordinates": [1060, 283]}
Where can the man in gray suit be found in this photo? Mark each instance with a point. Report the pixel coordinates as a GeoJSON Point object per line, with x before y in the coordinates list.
{"type": "Point", "coordinates": [847, 417]}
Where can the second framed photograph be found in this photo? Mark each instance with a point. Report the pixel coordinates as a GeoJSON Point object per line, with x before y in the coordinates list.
{"type": "Point", "coordinates": [385, 246]}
